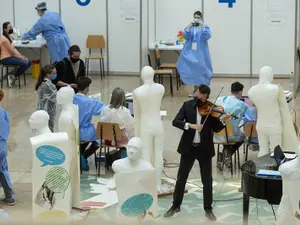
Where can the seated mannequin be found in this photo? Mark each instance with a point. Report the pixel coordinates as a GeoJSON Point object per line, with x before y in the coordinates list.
{"type": "Point", "coordinates": [274, 123]}
{"type": "Point", "coordinates": [133, 162]}
{"type": "Point", "coordinates": [288, 211]}
{"type": "Point", "coordinates": [38, 122]}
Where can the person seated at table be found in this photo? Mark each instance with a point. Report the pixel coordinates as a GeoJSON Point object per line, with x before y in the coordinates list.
{"type": "Point", "coordinates": [117, 112]}
{"type": "Point", "coordinates": [233, 105]}
{"type": "Point", "coordinates": [11, 56]}
{"type": "Point", "coordinates": [251, 116]}
{"type": "Point", "coordinates": [88, 107]}
{"type": "Point", "coordinates": [70, 69]}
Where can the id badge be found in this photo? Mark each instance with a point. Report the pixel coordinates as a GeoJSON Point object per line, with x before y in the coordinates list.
{"type": "Point", "coordinates": [194, 46]}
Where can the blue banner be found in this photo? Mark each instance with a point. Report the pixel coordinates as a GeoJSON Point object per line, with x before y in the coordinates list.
{"type": "Point", "coordinates": [230, 2]}
{"type": "Point", "coordinates": [83, 2]}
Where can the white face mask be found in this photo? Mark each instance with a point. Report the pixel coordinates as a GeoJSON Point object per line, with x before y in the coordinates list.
{"type": "Point", "coordinates": [197, 21]}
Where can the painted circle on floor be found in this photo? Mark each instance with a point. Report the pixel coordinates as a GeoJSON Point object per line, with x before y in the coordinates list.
{"type": "Point", "coordinates": [137, 205]}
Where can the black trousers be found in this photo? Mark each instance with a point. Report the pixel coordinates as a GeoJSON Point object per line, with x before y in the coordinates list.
{"type": "Point", "coordinates": [185, 166]}
{"type": "Point", "coordinates": [231, 149]}
{"type": "Point", "coordinates": [91, 150]}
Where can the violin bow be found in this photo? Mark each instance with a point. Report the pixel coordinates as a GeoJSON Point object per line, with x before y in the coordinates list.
{"type": "Point", "coordinates": [210, 110]}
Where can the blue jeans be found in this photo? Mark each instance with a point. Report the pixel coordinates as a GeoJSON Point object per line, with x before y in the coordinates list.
{"type": "Point", "coordinates": [23, 65]}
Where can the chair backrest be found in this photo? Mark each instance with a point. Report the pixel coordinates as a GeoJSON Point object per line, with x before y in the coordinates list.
{"type": "Point", "coordinates": [157, 56]}
{"type": "Point", "coordinates": [95, 42]}
{"type": "Point", "coordinates": [225, 133]}
{"type": "Point", "coordinates": [149, 60]}
{"type": "Point", "coordinates": [108, 131]}
{"type": "Point", "coordinates": [250, 130]}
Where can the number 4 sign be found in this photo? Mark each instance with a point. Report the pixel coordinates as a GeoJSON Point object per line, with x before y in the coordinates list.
{"type": "Point", "coordinates": [230, 2]}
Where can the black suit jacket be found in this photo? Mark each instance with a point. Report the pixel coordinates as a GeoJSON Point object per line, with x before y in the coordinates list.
{"type": "Point", "coordinates": [188, 114]}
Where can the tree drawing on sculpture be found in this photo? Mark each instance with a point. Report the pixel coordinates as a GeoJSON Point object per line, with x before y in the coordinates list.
{"type": "Point", "coordinates": [137, 206]}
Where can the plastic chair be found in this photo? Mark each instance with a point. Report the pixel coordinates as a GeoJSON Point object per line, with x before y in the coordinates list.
{"type": "Point", "coordinates": [107, 132]}
{"type": "Point", "coordinates": [166, 66]}
{"type": "Point", "coordinates": [161, 73]}
{"type": "Point", "coordinates": [95, 42]}
{"type": "Point", "coordinates": [223, 138]}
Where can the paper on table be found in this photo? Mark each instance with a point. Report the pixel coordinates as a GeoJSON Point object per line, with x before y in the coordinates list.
{"type": "Point", "coordinates": [268, 173]}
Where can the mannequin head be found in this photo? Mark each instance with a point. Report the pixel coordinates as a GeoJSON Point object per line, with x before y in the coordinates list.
{"type": "Point", "coordinates": [39, 121]}
{"type": "Point", "coordinates": [134, 149]}
{"type": "Point", "coordinates": [65, 96]}
{"type": "Point", "coordinates": [147, 74]}
{"type": "Point", "coordinates": [266, 75]}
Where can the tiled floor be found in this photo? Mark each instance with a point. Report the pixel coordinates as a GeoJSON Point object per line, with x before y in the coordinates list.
{"type": "Point", "coordinates": [21, 103]}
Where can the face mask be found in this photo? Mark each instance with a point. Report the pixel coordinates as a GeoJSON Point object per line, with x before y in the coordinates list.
{"type": "Point", "coordinates": [198, 102]}
{"type": "Point", "coordinates": [74, 60]}
{"type": "Point", "coordinates": [11, 31]}
{"type": "Point", "coordinates": [197, 20]}
{"type": "Point", "coordinates": [53, 76]}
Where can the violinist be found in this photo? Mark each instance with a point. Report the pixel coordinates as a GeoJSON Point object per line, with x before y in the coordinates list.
{"type": "Point", "coordinates": [232, 104]}
{"type": "Point", "coordinates": [196, 144]}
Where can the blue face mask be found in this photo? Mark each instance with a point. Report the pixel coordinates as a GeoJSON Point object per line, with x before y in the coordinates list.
{"type": "Point", "coordinates": [53, 76]}
{"type": "Point", "coordinates": [197, 20]}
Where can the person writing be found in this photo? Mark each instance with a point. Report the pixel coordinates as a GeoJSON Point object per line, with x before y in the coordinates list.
{"type": "Point", "coordinates": [117, 112]}
{"type": "Point", "coordinates": [196, 144]}
{"type": "Point", "coordinates": [4, 175]}
{"type": "Point", "coordinates": [11, 56]}
{"type": "Point", "coordinates": [194, 64]}
{"type": "Point", "coordinates": [46, 92]}
{"type": "Point", "coordinates": [88, 107]}
{"type": "Point", "coordinates": [54, 32]}
{"type": "Point", "coordinates": [70, 69]}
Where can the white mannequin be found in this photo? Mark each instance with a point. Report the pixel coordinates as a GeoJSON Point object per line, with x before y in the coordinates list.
{"type": "Point", "coordinates": [289, 205]}
{"type": "Point", "coordinates": [38, 122]}
{"type": "Point", "coordinates": [148, 124]}
{"type": "Point", "coordinates": [69, 122]}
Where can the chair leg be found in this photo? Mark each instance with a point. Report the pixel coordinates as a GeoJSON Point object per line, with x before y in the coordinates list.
{"type": "Point", "coordinates": [95, 158]}
{"type": "Point", "coordinates": [171, 85]}
{"type": "Point", "coordinates": [102, 60]}
{"type": "Point", "coordinates": [244, 148]}
{"type": "Point", "coordinates": [99, 161]}
{"type": "Point", "coordinates": [246, 156]}
{"type": "Point", "coordinates": [100, 68]}
{"type": "Point", "coordinates": [7, 76]}
{"type": "Point", "coordinates": [87, 67]}
{"type": "Point", "coordinates": [2, 76]}
{"type": "Point", "coordinates": [19, 79]}
{"type": "Point", "coordinates": [231, 167]}
{"type": "Point", "coordinates": [235, 158]}
{"type": "Point", "coordinates": [25, 79]}
{"type": "Point", "coordinates": [238, 155]}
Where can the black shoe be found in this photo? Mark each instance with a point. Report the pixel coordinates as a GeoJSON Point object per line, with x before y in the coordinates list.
{"type": "Point", "coordinates": [171, 212]}
{"type": "Point", "coordinates": [220, 161]}
{"type": "Point", "coordinates": [210, 215]}
{"type": "Point", "coordinates": [8, 201]}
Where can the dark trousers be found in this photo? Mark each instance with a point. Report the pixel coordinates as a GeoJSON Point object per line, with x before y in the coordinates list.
{"type": "Point", "coordinates": [91, 150]}
{"type": "Point", "coordinates": [7, 190]}
{"type": "Point", "coordinates": [23, 65]}
{"type": "Point", "coordinates": [185, 166]}
{"type": "Point", "coordinates": [231, 149]}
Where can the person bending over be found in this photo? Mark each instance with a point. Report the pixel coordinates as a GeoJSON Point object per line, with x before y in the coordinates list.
{"type": "Point", "coordinates": [11, 56]}
{"type": "Point", "coordinates": [232, 104]}
{"type": "Point", "coordinates": [70, 69]}
{"type": "Point", "coordinates": [196, 144]}
{"type": "Point", "coordinates": [88, 108]}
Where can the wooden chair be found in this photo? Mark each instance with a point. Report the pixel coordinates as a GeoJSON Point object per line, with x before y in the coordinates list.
{"type": "Point", "coordinates": [159, 73]}
{"type": "Point", "coordinates": [107, 132]}
{"type": "Point", "coordinates": [95, 42]}
{"type": "Point", "coordinates": [224, 136]}
{"type": "Point", "coordinates": [5, 67]}
{"type": "Point", "coordinates": [172, 66]}
{"type": "Point", "coordinates": [250, 133]}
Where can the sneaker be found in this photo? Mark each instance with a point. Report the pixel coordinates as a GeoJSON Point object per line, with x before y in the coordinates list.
{"type": "Point", "coordinates": [10, 81]}
{"type": "Point", "coordinates": [85, 166]}
{"type": "Point", "coordinates": [227, 161]}
{"type": "Point", "coordinates": [8, 201]}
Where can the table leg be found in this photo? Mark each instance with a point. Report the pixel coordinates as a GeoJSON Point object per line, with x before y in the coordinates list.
{"type": "Point", "coordinates": [41, 55]}
{"type": "Point", "coordinates": [246, 203]}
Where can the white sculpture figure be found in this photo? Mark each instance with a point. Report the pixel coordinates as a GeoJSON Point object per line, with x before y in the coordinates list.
{"type": "Point", "coordinates": [148, 124]}
{"type": "Point", "coordinates": [69, 122]}
{"type": "Point", "coordinates": [38, 122]}
{"type": "Point", "coordinates": [274, 123]}
{"type": "Point", "coordinates": [289, 211]}
{"type": "Point", "coordinates": [133, 162]}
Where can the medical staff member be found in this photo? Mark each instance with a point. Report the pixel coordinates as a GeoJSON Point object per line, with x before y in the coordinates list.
{"type": "Point", "coordinates": [4, 176]}
{"type": "Point", "coordinates": [194, 64]}
{"type": "Point", "coordinates": [88, 107]}
{"type": "Point", "coordinates": [54, 32]}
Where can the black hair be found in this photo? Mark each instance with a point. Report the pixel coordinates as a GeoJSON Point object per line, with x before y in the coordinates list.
{"type": "Point", "coordinates": [46, 70]}
{"type": "Point", "coordinates": [73, 48]}
{"type": "Point", "coordinates": [117, 98]}
{"type": "Point", "coordinates": [237, 87]}
{"type": "Point", "coordinates": [5, 34]}
{"type": "Point", "coordinates": [204, 89]}
{"type": "Point", "coordinates": [199, 14]}
{"type": "Point", "coordinates": [83, 83]}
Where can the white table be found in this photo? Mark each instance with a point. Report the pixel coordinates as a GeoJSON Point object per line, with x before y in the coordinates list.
{"type": "Point", "coordinates": [163, 47]}
{"type": "Point", "coordinates": [33, 45]}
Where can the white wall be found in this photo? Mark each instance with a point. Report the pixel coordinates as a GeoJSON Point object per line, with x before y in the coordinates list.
{"type": "Point", "coordinates": [90, 19]}
{"type": "Point", "coordinates": [7, 14]}
{"type": "Point", "coordinates": [230, 42]}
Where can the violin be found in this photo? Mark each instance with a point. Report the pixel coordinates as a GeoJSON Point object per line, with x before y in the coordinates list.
{"type": "Point", "coordinates": [209, 108]}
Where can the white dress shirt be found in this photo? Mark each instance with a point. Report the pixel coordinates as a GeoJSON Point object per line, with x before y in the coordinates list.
{"type": "Point", "coordinates": [197, 138]}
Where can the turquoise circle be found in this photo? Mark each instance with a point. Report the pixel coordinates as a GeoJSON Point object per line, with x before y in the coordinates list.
{"type": "Point", "coordinates": [137, 205]}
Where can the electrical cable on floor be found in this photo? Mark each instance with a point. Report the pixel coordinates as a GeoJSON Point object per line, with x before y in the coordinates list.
{"type": "Point", "coordinates": [175, 165]}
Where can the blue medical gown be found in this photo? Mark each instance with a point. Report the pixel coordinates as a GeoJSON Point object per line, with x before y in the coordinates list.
{"type": "Point", "coordinates": [54, 32]}
{"type": "Point", "coordinates": [4, 134]}
{"type": "Point", "coordinates": [251, 116]}
{"type": "Point", "coordinates": [237, 107]}
{"type": "Point", "coordinates": [194, 66]}
{"type": "Point", "coordinates": [88, 108]}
